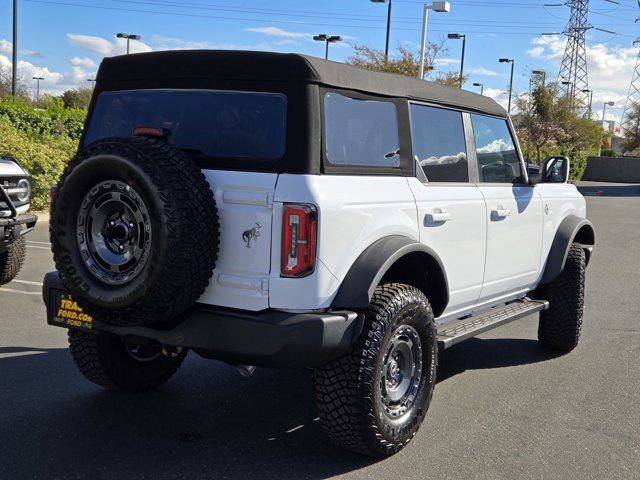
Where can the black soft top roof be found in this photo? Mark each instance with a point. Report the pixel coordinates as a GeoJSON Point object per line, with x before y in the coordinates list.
{"type": "Point", "coordinates": [286, 67]}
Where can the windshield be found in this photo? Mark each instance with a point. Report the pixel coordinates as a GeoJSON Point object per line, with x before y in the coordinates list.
{"type": "Point", "coordinates": [219, 124]}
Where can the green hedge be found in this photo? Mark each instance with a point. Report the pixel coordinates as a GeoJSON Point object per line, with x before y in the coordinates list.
{"type": "Point", "coordinates": [53, 119]}
{"type": "Point", "coordinates": [41, 139]}
{"type": "Point", "coordinates": [43, 156]}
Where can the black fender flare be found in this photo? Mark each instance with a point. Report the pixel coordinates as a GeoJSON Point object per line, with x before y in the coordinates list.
{"type": "Point", "coordinates": [367, 271]}
{"type": "Point", "coordinates": [572, 228]}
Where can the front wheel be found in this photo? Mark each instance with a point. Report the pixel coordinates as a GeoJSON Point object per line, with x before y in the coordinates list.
{"type": "Point", "coordinates": [107, 360]}
{"type": "Point", "coordinates": [560, 325]}
{"type": "Point", "coordinates": [373, 400]}
{"type": "Point", "coordinates": [12, 260]}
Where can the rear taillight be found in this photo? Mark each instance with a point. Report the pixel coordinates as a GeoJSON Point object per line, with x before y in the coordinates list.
{"type": "Point", "coordinates": [299, 229]}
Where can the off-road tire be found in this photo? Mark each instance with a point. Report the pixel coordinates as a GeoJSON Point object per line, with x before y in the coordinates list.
{"type": "Point", "coordinates": [559, 326]}
{"type": "Point", "coordinates": [104, 360]}
{"type": "Point", "coordinates": [348, 394]}
{"type": "Point", "coordinates": [12, 260]}
{"type": "Point", "coordinates": [182, 218]}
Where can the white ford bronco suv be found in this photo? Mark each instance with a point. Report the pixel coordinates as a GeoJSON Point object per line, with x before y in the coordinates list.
{"type": "Point", "coordinates": [279, 210]}
{"type": "Point", "coordinates": [15, 222]}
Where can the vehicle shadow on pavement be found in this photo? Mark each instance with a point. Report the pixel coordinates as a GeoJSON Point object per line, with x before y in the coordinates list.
{"type": "Point", "coordinates": [480, 354]}
{"type": "Point", "coordinates": [610, 190]}
{"type": "Point", "coordinates": [207, 422]}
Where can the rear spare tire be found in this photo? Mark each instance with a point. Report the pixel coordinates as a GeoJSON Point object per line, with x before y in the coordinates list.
{"type": "Point", "coordinates": [134, 230]}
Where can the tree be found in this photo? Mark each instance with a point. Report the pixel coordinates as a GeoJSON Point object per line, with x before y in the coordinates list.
{"type": "Point", "coordinates": [547, 122]}
{"type": "Point", "coordinates": [539, 117]}
{"type": "Point", "coordinates": [450, 79]}
{"type": "Point", "coordinates": [5, 85]}
{"type": "Point", "coordinates": [632, 132]}
{"type": "Point", "coordinates": [405, 62]}
{"type": "Point", "coordinates": [77, 97]}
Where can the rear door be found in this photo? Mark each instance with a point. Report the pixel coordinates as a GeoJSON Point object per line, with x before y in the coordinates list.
{"type": "Point", "coordinates": [514, 212]}
{"type": "Point", "coordinates": [451, 209]}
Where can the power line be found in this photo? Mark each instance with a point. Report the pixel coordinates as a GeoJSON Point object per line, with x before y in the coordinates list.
{"type": "Point", "coordinates": [288, 22]}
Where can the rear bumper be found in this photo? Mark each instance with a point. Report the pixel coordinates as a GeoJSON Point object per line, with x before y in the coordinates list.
{"type": "Point", "coordinates": [12, 227]}
{"type": "Point", "coordinates": [266, 339]}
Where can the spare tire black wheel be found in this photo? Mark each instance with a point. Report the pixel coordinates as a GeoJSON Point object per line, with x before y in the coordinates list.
{"type": "Point", "coordinates": [134, 230]}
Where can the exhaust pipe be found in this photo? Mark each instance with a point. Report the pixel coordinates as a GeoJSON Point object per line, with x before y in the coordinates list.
{"type": "Point", "coordinates": [246, 370]}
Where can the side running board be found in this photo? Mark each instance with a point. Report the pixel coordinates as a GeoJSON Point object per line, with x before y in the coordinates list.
{"type": "Point", "coordinates": [458, 330]}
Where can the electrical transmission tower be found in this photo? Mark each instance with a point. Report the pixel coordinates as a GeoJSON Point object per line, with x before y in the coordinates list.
{"type": "Point", "coordinates": [633, 98]}
{"type": "Point", "coordinates": [573, 78]}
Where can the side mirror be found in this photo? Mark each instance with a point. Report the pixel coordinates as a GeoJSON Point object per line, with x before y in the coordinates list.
{"type": "Point", "coordinates": [554, 169]}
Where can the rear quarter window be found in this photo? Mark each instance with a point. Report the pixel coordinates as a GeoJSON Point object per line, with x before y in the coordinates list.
{"type": "Point", "coordinates": [361, 133]}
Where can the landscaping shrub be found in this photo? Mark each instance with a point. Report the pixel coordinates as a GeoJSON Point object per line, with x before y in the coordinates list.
{"type": "Point", "coordinates": [44, 156]}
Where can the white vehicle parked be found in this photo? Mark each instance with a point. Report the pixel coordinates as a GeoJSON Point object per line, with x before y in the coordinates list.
{"type": "Point", "coordinates": [15, 223]}
{"type": "Point", "coordinates": [284, 211]}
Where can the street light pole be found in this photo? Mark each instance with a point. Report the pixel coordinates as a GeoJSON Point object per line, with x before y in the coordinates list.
{"type": "Point", "coordinates": [513, 63]}
{"type": "Point", "coordinates": [128, 37]}
{"type": "Point", "coordinates": [541, 73]}
{"type": "Point", "coordinates": [386, 45]}
{"type": "Point", "coordinates": [14, 53]}
{"type": "Point", "coordinates": [37, 79]}
{"type": "Point", "coordinates": [92, 81]}
{"type": "Point", "coordinates": [604, 112]}
{"type": "Point", "coordinates": [440, 7]}
{"type": "Point", "coordinates": [323, 37]}
{"type": "Point", "coordinates": [458, 36]}
{"type": "Point", "coordinates": [481, 85]}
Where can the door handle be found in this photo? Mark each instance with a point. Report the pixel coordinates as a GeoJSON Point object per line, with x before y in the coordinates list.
{"type": "Point", "coordinates": [437, 217]}
{"type": "Point", "coordinates": [501, 212]}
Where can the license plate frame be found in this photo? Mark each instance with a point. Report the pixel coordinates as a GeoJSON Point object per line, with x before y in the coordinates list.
{"type": "Point", "coordinates": [65, 312]}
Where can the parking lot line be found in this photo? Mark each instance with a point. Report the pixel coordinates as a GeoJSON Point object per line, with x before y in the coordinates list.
{"type": "Point", "coordinates": [11, 290]}
{"type": "Point", "coordinates": [38, 247]}
{"type": "Point", "coordinates": [38, 243]}
{"type": "Point", "coordinates": [27, 282]}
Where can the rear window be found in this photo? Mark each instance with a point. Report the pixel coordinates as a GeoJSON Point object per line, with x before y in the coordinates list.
{"type": "Point", "coordinates": [218, 124]}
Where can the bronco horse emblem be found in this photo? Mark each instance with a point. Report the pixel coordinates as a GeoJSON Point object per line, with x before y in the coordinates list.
{"type": "Point", "coordinates": [251, 234]}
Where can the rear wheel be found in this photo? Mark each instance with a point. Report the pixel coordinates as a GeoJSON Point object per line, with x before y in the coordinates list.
{"type": "Point", "coordinates": [12, 260]}
{"type": "Point", "coordinates": [373, 400]}
{"type": "Point", "coordinates": [560, 325]}
{"type": "Point", "coordinates": [109, 361]}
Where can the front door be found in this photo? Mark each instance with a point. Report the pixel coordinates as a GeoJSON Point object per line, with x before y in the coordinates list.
{"type": "Point", "coordinates": [514, 212]}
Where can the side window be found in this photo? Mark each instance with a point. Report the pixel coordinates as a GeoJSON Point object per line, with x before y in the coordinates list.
{"type": "Point", "coordinates": [439, 143]}
{"type": "Point", "coordinates": [498, 160]}
{"type": "Point", "coordinates": [361, 132]}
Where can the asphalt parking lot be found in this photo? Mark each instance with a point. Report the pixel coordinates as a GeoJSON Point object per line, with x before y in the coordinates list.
{"type": "Point", "coordinates": [503, 407]}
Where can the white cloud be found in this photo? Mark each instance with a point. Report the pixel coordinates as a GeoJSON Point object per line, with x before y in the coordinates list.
{"type": "Point", "coordinates": [610, 69]}
{"type": "Point", "coordinates": [105, 47]}
{"type": "Point", "coordinates": [500, 96]}
{"type": "Point", "coordinates": [5, 45]}
{"type": "Point", "coordinates": [82, 62]}
{"type": "Point", "coordinates": [482, 71]}
{"type": "Point", "coordinates": [446, 61]}
{"type": "Point", "coordinates": [277, 32]}
{"type": "Point", "coordinates": [27, 71]}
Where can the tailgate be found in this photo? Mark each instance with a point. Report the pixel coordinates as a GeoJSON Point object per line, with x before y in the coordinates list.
{"type": "Point", "coordinates": [245, 206]}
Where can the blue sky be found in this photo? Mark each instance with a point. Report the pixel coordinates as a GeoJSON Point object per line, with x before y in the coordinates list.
{"type": "Point", "coordinates": [64, 40]}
